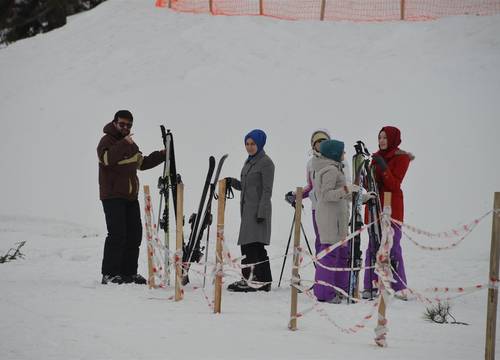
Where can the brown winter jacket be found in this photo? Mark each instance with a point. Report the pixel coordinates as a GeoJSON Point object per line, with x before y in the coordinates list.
{"type": "Point", "coordinates": [118, 164]}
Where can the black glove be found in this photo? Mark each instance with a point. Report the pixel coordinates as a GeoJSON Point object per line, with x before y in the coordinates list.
{"type": "Point", "coordinates": [380, 162]}
{"type": "Point", "coordinates": [290, 198]}
{"type": "Point", "coordinates": [260, 220]}
{"type": "Point", "coordinates": [230, 182]}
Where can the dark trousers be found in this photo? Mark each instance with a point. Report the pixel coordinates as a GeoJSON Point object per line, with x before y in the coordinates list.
{"type": "Point", "coordinates": [256, 252]}
{"type": "Point", "coordinates": [121, 249]}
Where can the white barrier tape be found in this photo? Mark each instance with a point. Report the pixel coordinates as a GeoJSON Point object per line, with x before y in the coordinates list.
{"type": "Point", "coordinates": [450, 234]}
{"type": "Point", "coordinates": [381, 332]}
{"type": "Point", "coordinates": [383, 269]}
{"type": "Point", "coordinates": [233, 262]}
{"type": "Point", "coordinates": [460, 291]}
{"type": "Point", "coordinates": [329, 249]}
{"type": "Point", "coordinates": [218, 270]}
{"type": "Point", "coordinates": [194, 288]}
{"type": "Point", "coordinates": [211, 275]}
{"type": "Point", "coordinates": [162, 256]}
{"type": "Point", "coordinates": [360, 325]}
{"type": "Point", "coordinates": [382, 265]}
{"type": "Point", "coordinates": [493, 284]}
{"type": "Point", "coordinates": [154, 250]}
{"type": "Point", "coordinates": [329, 268]}
{"type": "Point", "coordinates": [438, 248]}
{"type": "Point", "coordinates": [210, 303]}
{"type": "Point", "coordinates": [337, 289]}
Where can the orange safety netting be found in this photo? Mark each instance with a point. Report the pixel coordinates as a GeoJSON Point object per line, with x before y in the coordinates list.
{"type": "Point", "coordinates": [354, 10]}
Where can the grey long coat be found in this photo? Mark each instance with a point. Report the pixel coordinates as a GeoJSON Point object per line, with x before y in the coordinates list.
{"type": "Point", "coordinates": [256, 186]}
{"type": "Point", "coordinates": [332, 209]}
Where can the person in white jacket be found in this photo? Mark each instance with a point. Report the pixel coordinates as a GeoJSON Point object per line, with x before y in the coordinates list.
{"type": "Point", "coordinates": [317, 137]}
{"type": "Point", "coordinates": [333, 194]}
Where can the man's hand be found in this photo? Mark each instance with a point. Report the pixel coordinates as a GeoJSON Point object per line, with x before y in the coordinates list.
{"type": "Point", "coordinates": [128, 138]}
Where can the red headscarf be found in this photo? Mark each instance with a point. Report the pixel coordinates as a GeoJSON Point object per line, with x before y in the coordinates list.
{"type": "Point", "coordinates": [393, 141]}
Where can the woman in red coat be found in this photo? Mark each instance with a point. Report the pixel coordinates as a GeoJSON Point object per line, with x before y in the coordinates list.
{"type": "Point", "coordinates": [390, 164]}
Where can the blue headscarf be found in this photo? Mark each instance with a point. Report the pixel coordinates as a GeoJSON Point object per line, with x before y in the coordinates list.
{"type": "Point", "coordinates": [259, 137]}
{"type": "Point", "coordinates": [332, 149]}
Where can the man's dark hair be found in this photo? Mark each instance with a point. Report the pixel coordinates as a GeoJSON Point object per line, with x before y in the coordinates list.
{"type": "Point", "coordinates": [124, 114]}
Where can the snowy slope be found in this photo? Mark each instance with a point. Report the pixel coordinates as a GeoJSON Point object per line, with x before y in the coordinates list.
{"type": "Point", "coordinates": [211, 80]}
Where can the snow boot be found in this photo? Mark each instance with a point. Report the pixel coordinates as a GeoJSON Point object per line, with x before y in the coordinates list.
{"type": "Point", "coordinates": [113, 279]}
{"type": "Point", "coordinates": [240, 286]}
{"type": "Point", "coordinates": [265, 288]}
{"type": "Point", "coordinates": [369, 294]}
{"type": "Point", "coordinates": [136, 279]}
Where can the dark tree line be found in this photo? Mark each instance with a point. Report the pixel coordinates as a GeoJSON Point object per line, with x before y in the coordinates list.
{"type": "Point", "coordinates": [24, 18]}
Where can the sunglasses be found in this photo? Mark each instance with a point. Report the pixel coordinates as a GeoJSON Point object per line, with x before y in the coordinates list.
{"type": "Point", "coordinates": [123, 125]}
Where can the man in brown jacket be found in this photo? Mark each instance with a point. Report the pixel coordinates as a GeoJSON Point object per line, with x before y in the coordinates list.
{"type": "Point", "coordinates": [119, 159]}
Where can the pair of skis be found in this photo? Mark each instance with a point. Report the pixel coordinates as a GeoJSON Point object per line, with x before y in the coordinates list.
{"type": "Point", "coordinates": [167, 183]}
{"type": "Point", "coordinates": [201, 220]}
{"type": "Point", "coordinates": [363, 176]}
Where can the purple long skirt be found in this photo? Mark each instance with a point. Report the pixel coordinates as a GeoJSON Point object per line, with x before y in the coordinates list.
{"type": "Point", "coordinates": [338, 258]}
{"type": "Point", "coordinates": [370, 279]}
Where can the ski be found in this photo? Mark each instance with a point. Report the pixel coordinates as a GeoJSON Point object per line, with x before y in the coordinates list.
{"type": "Point", "coordinates": [166, 183]}
{"type": "Point", "coordinates": [374, 211]}
{"type": "Point", "coordinates": [207, 217]}
{"type": "Point", "coordinates": [358, 176]}
{"type": "Point", "coordinates": [191, 251]}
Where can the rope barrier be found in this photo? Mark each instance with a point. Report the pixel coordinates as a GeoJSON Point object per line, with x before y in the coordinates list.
{"type": "Point", "coordinates": [450, 234]}
{"type": "Point", "coordinates": [383, 268]}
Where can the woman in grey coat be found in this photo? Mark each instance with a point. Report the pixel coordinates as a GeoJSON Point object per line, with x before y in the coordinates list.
{"type": "Point", "coordinates": [256, 188]}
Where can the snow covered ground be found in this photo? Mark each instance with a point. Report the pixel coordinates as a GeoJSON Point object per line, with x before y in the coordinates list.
{"type": "Point", "coordinates": [211, 80]}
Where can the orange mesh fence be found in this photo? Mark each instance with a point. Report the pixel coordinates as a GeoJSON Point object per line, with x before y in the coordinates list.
{"type": "Point", "coordinates": [354, 10]}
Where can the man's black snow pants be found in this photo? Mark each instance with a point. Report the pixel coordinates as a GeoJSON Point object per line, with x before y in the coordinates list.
{"type": "Point", "coordinates": [121, 249]}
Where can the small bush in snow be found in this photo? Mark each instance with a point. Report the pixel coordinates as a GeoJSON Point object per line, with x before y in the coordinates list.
{"type": "Point", "coordinates": [440, 313]}
{"type": "Point", "coordinates": [13, 254]}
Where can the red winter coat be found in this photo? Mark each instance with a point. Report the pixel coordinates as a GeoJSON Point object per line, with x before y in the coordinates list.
{"type": "Point", "coordinates": [391, 179]}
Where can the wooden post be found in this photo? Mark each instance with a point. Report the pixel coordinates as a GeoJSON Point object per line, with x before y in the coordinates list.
{"type": "Point", "coordinates": [295, 269]}
{"type": "Point", "coordinates": [382, 321]}
{"type": "Point", "coordinates": [323, 7]}
{"type": "Point", "coordinates": [261, 7]}
{"type": "Point", "coordinates": [491, 318]}
{"type": "Point", "coordinates": [169, 4]}
{"type": "Point", "coordinates": [221, 206]}
{"type": "Point", "coordinates": [179, 227]}
{"type": "Point", "coordinates": [149, 236]}
{"type": "Point", "coordinates": [403, 9]}
{"type": "Point", "coordinates": [211, 6]}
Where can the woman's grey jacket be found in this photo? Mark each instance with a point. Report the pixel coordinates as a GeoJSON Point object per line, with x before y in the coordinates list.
{"type": "Point", "coordinates": [332, 209]}
{"type": "Point", "coordinates": [256, 185]}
